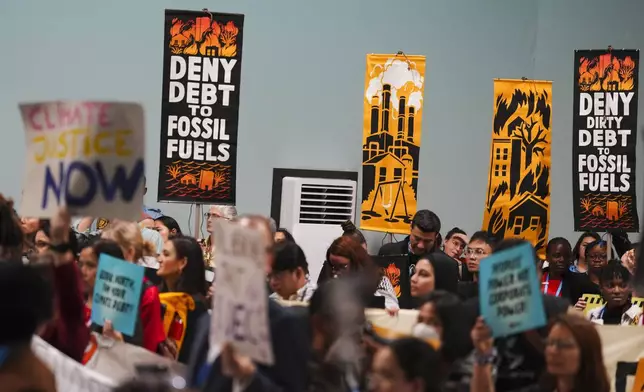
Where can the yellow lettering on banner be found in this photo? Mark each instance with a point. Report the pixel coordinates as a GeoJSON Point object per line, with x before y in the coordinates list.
{"type": "Point", "coordinates": [79, 143]}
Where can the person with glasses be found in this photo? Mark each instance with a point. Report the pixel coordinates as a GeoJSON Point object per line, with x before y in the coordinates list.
{"type": "Point", "coordinates": [347, 256]}
{"type": "Point", "coordinates": [580, 265]}
{"type": "Point", "coordinates": [480, 246]}
{"type": "Point", "coordinates": [519, 358]}
{"type": "Point", "coordinates": [214, 212]}
{"type": "Point", "coordinates": [573, 358]}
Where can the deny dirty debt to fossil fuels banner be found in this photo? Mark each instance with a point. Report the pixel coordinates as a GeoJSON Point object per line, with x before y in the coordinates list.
{"type": "Point", "coordinates": [605, 135]}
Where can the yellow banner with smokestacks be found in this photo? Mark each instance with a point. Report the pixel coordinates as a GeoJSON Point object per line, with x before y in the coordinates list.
{"type": "Point", "coordinates": [518, 191]}
{"type": "Point", "coordinates": [393, 108]}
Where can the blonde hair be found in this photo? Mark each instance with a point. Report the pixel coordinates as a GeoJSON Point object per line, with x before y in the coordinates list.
{"type": "Point", "coordinates": [128, 236]}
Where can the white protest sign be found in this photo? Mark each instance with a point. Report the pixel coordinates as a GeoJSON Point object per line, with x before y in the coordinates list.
{"type": "Point", "coordinates": [70, 375]}
{"type": "Point", "coordinates": [88, 156]}
{"type": "Point", "coordinates": [240, 304]}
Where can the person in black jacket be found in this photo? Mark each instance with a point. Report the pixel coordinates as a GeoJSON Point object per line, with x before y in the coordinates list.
{"type": "Point", "coordinates": [520, 360]}
{"type": "Point", "coordinates": [422, 239]}
{"type": "Point", "coordinates": [289, 339]}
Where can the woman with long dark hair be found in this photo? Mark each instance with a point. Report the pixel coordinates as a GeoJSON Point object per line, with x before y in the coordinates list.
{"type": "Point", "coordinates": [167, 227]}
{"type": "Point", "coordinates": [183, 291]}
{"type": "Point", "coordinates": [573, 356]}
{"type": "Point", "coordinates": [406, 364]}
{"type": "Point", "coordinates": [580, 264]}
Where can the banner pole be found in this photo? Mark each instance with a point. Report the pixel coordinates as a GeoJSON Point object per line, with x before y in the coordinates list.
{"type": "Point", "coordinates": [197, 220]}
{"type": "Point", "coordinates": [609, 245]}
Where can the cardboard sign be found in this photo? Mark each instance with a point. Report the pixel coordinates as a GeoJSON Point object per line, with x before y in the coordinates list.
{"type": "Point", "coordinates": [87, 156]}
{"type": "Point", "coordinates": [117, 293]}
{"type": "Point", "coordinates": [240, 306]}
{"type": "Point", "coordinates": [70, 375]}
{"type": "Point", "coordinates": [509, 297]}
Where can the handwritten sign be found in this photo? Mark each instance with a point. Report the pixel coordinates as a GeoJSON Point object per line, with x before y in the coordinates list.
{"type": "Point", "coordinates": [509, 293]}
{"type": "Point", "coordinates": [87, 156]}
{"type": "Point", "coordinates": [240, 307]}
{"type": "Point", "coordinates": [70, 375]}
{"type": "Point", "coordinates": [117, 293]}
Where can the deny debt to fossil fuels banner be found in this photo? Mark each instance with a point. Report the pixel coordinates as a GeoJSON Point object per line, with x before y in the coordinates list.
{"type": "Point", "coordinates": [604, 140]}
{"type": "Point", "coordinates": [392, 113]}
{"type": "Point", "coordinates": [200, 107]}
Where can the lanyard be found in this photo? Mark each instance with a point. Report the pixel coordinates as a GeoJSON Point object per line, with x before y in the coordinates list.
{"type": "Point", "coordinates": [547, 283]}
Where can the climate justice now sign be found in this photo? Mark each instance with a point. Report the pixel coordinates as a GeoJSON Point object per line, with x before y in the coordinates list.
{"type": "Point", "coordinates": [86, 156]}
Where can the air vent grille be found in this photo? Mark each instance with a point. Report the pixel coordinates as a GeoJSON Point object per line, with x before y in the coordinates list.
{"type": "Point", "coordinates": [326, 204]}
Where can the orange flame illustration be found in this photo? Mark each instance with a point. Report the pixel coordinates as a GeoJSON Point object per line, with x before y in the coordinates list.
{"type": "Point", "coordinates": [606, 72]}
{"type": "Point", "coordinates": [203, 36]}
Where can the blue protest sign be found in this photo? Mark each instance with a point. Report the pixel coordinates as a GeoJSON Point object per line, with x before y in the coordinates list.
{"type": "Point", "coordinates": [509, 293]}
{"type": "Point", "coordinates": [117, 293]}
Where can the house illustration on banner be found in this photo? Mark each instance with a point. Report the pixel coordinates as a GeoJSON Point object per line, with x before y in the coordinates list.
{"type": "Point", "coordinates": [188, 179]}
{"type": "Point", "coordinates": [519, 187]}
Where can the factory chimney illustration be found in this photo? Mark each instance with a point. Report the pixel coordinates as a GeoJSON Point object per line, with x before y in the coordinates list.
{"type": "Point", "coordinates": [381, 115]}
{"type": "Point", "coordinates": [386, 104]}
{"type": "Point", "coordinates": [375, 115]}
{"type": "Point", "coordinates": [410, 124]}
{"type": "Point", "coordinates": [401, 118]}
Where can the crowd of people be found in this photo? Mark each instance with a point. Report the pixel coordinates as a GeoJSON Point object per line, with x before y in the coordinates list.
{"type": "Point", "coordinates": [47, 284]}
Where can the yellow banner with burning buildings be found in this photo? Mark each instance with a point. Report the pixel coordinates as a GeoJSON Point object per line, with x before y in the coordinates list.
{"type": "Point", "coordinates": [393, 106]}
{"type": "Point", "coordinates": [518, 191]}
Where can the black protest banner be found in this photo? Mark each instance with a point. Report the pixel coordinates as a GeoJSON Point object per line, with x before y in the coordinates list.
{"type": "Point", "coordinates": [605, 135]}
{"type": "Point", "coordinates": [396, 269]}
{"type": "Point", "coordinates": [200, 106]}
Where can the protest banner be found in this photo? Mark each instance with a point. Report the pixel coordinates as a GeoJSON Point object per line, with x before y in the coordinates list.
{"type": "Point", "coordinates": [70, 375]}
{"type": "Point", "coordinates": [117, 293]}
{"type": "Point", "coordinates": [122, 361]}
{"type": "Point", "coordinates": [604, 140]}
{"type": "Point", "coordinates": [200, 106]}
{"type": "Point", "coordinates": [391, 133]}
{"type": "Point", "coordinates": [87, 156]}
{"type": "Point", "coordinates": [509, 294]}
{"type": "Point", "coordinates": [396, 269]}
{"type": "Point", "coordinates": [622, 346]}
{"type": "Point", "coordinates": [518, 190]}
{"type": "Point", "coordinates": [240, 308]}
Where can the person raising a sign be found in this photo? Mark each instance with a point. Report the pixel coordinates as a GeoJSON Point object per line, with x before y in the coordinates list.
{"type": "Point", "coordinates": [149, 330]}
